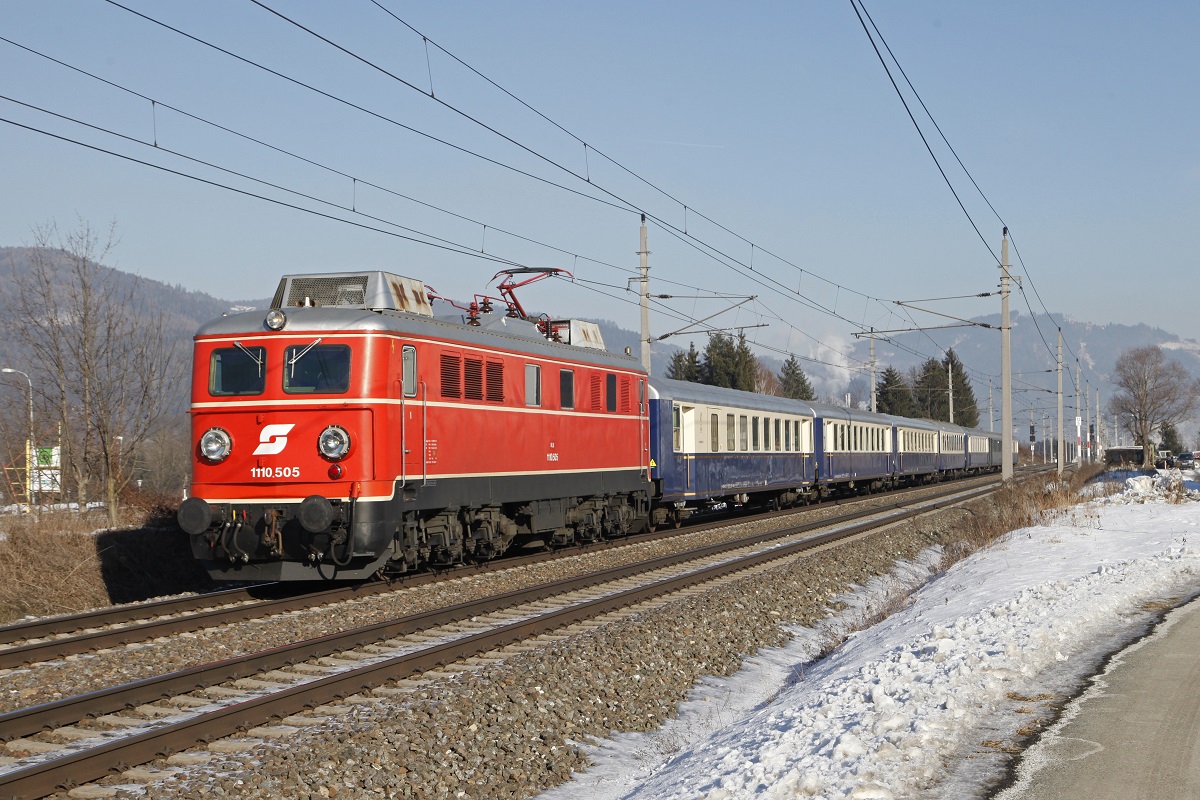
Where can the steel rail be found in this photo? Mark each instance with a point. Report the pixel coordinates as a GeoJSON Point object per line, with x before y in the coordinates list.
{"type": "Point", "coordinates": [52, 775]}
{"type": "Point", "coordinates": [25, 721]}
{"type": "Point", "coordinates": [207, 617]}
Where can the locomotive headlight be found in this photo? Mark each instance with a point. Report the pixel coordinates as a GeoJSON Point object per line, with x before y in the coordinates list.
{"type": "Point", "coordinates": [215, 445]}
{"type": "Point", "coordinates": [276, 319]}
{"type": "Point", "coordinates": [334, 443]}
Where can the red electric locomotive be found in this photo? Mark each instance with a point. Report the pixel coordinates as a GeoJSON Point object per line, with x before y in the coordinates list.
{"type": "Point", "coordinates": [348, 432]}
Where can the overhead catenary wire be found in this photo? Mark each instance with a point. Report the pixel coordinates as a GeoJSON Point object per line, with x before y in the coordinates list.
{"type": "Point", "coordinates": [283, 151]}
{"type": "Point", "coordinates": [974, 183]}
{"type": "Point", "coordinates": [456, 246]}
{"type": "Point", "coordinates": [753, 267]}
{"type": "Point", "coordinates": [452, 248]}
{"type": "Point", "coordinates": [859, 4]}
{"type": "Point", "coordinates": [618, 201]}
{"type": "Point", "coordinates": [689, 238]}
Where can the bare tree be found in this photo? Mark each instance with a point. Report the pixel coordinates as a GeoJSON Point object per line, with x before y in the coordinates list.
{"type": "Point", "coordinates": [102, 368]}
{"type": "Point", "coordinates": [1153, 392]}
{"type": "Point", "coordinates": [766, 381]}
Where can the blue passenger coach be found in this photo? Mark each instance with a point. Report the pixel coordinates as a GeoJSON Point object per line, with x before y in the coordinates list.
{"type": "Point", "coordinates": [856, 449]}
{"type": "Point", "coordinates": [711, 445]}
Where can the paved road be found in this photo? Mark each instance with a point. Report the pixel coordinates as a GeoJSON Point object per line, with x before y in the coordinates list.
{"type": "Point", "coordinates": [1133, 736]}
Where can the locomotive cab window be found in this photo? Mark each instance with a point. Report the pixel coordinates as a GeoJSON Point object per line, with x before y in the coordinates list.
{"type": "Point", "coordinates": [237, 371]}
{"type": "Point", "coordinates": [316, 369]}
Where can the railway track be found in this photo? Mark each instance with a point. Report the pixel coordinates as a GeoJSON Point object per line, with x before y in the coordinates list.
{"type": "Point", "coordinates": [70, 635]}
{"type": "Point", "coordinates": [205, 705]}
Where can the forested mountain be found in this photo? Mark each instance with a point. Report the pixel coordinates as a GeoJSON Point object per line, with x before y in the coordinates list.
{"type": "Point", "coordinates": [1096, 345]}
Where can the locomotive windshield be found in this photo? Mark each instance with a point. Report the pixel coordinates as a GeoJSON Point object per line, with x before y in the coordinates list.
{"type": "Point", "coordinates": [317, 369]}
{"type": "Point", "coordinates": [237, 370]}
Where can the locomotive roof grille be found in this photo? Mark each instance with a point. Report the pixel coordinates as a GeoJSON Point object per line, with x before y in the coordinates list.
{"type": "Point", "coordinates": [372, 290]}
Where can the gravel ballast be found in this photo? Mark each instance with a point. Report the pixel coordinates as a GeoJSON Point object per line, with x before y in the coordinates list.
{"type": "Point", "coordinates": [510, 728]}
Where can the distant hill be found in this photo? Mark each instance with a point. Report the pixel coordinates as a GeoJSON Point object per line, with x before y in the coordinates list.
{"type": "Point", "coordinates": [1096, 345]}
{"type": "Point", "coordinates": [183, 310]}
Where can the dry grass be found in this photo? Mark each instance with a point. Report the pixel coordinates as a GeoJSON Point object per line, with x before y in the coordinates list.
{"type": "Point", "coordinates": [1020, 504]}
{"type": "Point", "coordinates": [63, 562]}
{"type": "Point", "coordinates": [49, 572]}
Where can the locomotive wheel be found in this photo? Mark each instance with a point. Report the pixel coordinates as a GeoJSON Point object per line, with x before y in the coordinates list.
{"type": "Point", "coordinates": [676, 520]}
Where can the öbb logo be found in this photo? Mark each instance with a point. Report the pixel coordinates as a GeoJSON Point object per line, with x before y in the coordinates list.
{"type": "Point", "coordinates": [273, 439]}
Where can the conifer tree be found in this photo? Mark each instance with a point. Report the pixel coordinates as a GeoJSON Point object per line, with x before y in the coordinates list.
{"type": "Point", "coordinates": [729, 363]}
{"type": "Point", "coordinates": [931, 391]}
{"type": "Point", "coordinates": [745, 365]}
{"type": "Point", "coordinates": [966, 409]}
{"type": "Point", "coordinates": [794, 383]}
{"type": "Point", "coordinates": [894, 394]}
{"type": "Point", "coordinates": [717, 367]}
{"type": "Point", "coordinates": [685, 366]}
{"type": "Point", "coordinates": [1170, 438]}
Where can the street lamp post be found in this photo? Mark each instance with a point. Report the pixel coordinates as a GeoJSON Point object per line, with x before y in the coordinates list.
{"type": "Point", "coordinates": [30, 454]}
{"type": "Point", "coordinates": [120, 440]}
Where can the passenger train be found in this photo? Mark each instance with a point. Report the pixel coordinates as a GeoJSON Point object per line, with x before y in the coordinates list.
{"type": "Point", "coordinates": [348, 433]}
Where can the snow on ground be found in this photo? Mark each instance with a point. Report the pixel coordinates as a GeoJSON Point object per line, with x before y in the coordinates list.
{"type": "Point", "coordinates": [901, 709]}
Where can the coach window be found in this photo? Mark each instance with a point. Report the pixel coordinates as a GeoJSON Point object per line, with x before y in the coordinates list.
{"type": "Point", "coordinates": [754, 433]}
{"type": "Point", "coordinates": [316, 369]}
{"type": "Point", "coordinates": [533, 385]}
{"type": "Point", "coordinates": [730, 433]}
{"type": "Point", "coordinates": [778, 445]}
{"type": "Point", "coordinates": [676, 428]}
{"type": "Point", "coordinates": [713, 432]}
{"type": "Point", "coordinates": [742, 428]}
{"type": "Point", "coordinates": [766, 433]}
{"type": "Point", "coordinates": [566, 388]}
{"type": "Point", "coordinates": [408, 370]}
{"type": "Point", "coordinates": [237, 370]}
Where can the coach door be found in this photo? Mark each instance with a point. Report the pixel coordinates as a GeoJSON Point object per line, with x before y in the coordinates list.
{"type": "Point", "coordinates": [683, 436]}
{"type": "Point", "coordinates": [413, 418]}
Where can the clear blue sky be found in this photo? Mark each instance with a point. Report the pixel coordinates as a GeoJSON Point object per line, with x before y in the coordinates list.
{"type": "Point", "coordinates": [776, 120]}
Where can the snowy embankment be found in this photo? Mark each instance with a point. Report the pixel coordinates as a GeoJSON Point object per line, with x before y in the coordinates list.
{"type": "Point", "coordinates": [926, 702]}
